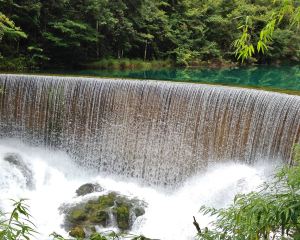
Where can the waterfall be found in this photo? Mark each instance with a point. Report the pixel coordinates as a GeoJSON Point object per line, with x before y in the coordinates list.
{"type": "Point", "coordinates": [158, 132]}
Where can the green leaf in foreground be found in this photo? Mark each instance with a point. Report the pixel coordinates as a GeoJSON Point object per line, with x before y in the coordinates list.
{"type": "Point", "coordinates": [271, 213]}
{"type": "Point", "coordinates": [17, 224]}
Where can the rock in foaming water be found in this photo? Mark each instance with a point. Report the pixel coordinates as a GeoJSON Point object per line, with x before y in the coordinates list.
{"type": "Point", "coordinates": [88, 188]}
{"type": "Point", "coordinates": [17, 161]}
{"type": "Point", "coordinates": [109, 210]}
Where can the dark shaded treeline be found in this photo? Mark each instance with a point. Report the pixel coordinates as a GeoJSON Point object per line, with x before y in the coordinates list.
{"type": "Point", "coordinates": [188, 32]}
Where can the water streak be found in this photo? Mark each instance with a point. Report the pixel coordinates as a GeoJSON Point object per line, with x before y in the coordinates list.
{"type": "Point", "coordinates": [158, 132]}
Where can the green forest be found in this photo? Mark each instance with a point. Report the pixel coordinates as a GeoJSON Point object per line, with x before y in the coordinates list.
{"type": "Point", "coordinates": [72, 33]}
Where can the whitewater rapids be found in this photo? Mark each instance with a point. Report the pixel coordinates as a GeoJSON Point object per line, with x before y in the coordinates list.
{"type": "Point", "coordinates": [55, 178]}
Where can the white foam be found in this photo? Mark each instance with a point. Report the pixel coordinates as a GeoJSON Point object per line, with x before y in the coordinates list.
{"type": "Point", "coordinates": [168, 215]}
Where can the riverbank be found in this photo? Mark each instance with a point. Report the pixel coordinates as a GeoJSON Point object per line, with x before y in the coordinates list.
{"type": "Point", "coordinates": [21, 64]}
{"type": "Point", "coordinates": [127, 64]}
{"type": "Point", "coordinates": [138, 64]}
{"type": "Point", "coordinates": [25, 64]}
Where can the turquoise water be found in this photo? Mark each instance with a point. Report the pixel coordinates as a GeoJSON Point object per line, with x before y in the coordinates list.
{"type": "Point", "coordinates": [277, 78]}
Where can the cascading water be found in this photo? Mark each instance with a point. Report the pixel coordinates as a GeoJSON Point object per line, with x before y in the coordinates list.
{"type": "Point", "coordinates": [168, 214]}
{"type": "Point", "coordinates": [161, 133]}
{"type": "Point", "coordinates": [195, 137]}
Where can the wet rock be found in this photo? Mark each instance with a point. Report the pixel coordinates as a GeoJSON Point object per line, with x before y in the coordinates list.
{"type": "Point", "coordinates": [88, 188]}
{"type": "Point", "coordinates": [93, 229]}
{"type": "Point", "coordinates": [104, 211]}
{"type": "Point", "coordinates": [139, 211]}
{"type": "Point", "coordinates": [122, 214]}
{"type": "Point", "coordinates": [108, 200]}
{"type": "Point", "coordinates": [101, 217]}
{"type": "Point", "coordinates": [77, 215]}
{"type": "Point", "coordinates": [16, 160]}
{"type": "Point", "coordinates": [77, 232]}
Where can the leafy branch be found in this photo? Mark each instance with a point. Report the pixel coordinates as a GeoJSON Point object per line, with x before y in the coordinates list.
{"type": "Point", "coordinates": [17, 225]}
{"type": "Point", "coordinates": [271, 213]}
{"type": "Point", "coordinates": [8, 28]}
{"type": "Point", "coordinates": [245, 48]}
{"type": "Point", "coordinates": [110, 235]}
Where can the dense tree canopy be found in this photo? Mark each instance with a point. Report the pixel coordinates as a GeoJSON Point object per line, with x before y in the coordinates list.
{"type": "Point", "coordinates": [72, 32]}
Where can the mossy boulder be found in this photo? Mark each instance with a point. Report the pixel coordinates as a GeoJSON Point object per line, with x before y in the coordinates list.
{"type": "Point", "coordinates": [77, 215]}
{"type": "Point", "coordinates": [108, 200]}
{"type": "Point", "coordinates": [77, 232]}
{"type": "Point", "coordinates": [91, 205]}
{"type": "Point", "coordinates": [104, 211]}
{"type": "Point", "coordinates": [122, 214]}
{"type": "Point", "coordinates": [100, 216]}
{"type": "Point", "coordinates": [88, 188]}
{"type": "Point", "coordinates": [103, 202]}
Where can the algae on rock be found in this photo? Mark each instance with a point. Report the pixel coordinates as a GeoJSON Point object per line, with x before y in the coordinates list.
{"type": "Point", "coordinates": [77, 232]}
{"type": "Point", "coordinates": [105, 210]}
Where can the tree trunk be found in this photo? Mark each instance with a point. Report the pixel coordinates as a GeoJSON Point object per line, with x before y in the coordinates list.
{"type": "Point", "coordinates": [97, 42]}
{"type": "Point", "coordinates": [145, 53]}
